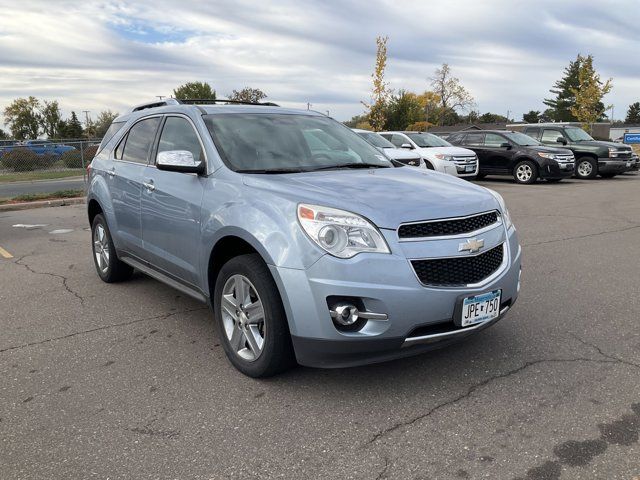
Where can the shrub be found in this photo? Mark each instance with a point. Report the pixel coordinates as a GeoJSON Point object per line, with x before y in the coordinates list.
{"type": "Point", "coordinates": [25, 160]}
{"type": "Point", "coordinates": [72, 159]}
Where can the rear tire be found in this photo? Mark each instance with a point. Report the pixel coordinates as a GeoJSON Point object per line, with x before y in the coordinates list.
{"type": "Point", "coordinates": [586, 168]}
{"type": "Point", "coordinates": [252, 326]}
{"type": "Point", "coordinates": [525, 172]}
{"type": "Point", "coordinates": [108, 266]}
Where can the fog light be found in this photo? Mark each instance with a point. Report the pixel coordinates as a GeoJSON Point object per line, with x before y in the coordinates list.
{"type": "Point", "coordinates": [345, 314]}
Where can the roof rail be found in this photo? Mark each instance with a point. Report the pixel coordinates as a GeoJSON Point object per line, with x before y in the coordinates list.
{"type": "Point", "coordinates": [159, 103]}
{"type": "Point", "coordinates": [213, 101]}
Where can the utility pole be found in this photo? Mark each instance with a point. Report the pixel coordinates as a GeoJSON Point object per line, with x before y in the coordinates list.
{"type": "Point", "coordinates": [87, 123]}
{"type": "Point", "coordinates": [309, 105]}
{"type": "Point", "coordinates": [160, 97]}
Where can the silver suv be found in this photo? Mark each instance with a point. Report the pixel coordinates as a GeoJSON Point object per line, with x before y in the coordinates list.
{"type": "Point", "coordinates": [308, 243]}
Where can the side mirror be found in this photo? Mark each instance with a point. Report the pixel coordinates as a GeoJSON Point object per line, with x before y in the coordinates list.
{"type": "Point", "coordinates": [506, 145]}
{"type": "Point", "coordinates": [178, 161]}
{"type": "Point", "coordinates": [406, 145]}
{"type": "Point", "coordinates": [561, 140]}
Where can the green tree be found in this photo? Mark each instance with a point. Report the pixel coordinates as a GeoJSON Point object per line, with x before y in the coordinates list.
{"type": "Point", "coordinates": [355, 120]}
{"type": "Point", "coordinates": [453, 96]}
{"type": "Point", "coordinates": [560, 107]}
{"type": "Point", "coordinates": [50, 119]}
{"type": "Point", "coordinates": [72, 128]}
{"type": "Point", "coordinates": [589, 93]}
{"type": "Point", "coordinates": [633, 113]}
{"type": "Point", "coordinates": [195, 90]}
{"type": "Point", "coordinates": [103, 122]}
{"type": "Point", "coordinates": [3, 135]}
{"type": "Point", "coordinates": [532, 116]}
{"type": "Point", "coordinates": [23, 118]}
{"type": "Point", "coordinates": [248, 94]}
{"type": "Point", "coordinates": [402, 110]}
{"type": "Point", "coordinates": [492, 118]}
{"type": "Point", "coordinates": [376, 108]}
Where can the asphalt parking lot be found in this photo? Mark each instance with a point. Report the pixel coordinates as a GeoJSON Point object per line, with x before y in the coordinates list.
{"type": "Point", "coordinates": [129, 381]}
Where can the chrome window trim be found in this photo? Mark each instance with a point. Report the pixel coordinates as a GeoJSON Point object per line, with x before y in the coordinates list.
{"type": "Point", "coordinates": [125, 135]}
{"type": "Point", "coordinates": [499, 271]}
{"type": "Point", "coordinates": [195, 129]}
{"type": "Point", "coordinates": [448, 237]}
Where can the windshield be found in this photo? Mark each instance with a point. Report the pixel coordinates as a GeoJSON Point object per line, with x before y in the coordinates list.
{"type": "Point", "coordinates": [577, 134]}
{"type": "Point", "coordinates": [521, 139]}
{"type": "Point", "coordinates": [280, 143]}
{"type": "Point", "coordinates": [427, 140]}
{"type": "Point", "coordinates": [376, 140]}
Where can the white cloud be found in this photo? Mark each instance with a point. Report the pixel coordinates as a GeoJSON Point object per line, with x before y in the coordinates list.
{"type": "Point", "coordinates": [95, 55]}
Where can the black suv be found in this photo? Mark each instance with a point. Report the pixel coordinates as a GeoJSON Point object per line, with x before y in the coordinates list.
{"type": "Point", "coordinates": [593, 157]}
{"type": "Point", "coordinates": [513, 153]}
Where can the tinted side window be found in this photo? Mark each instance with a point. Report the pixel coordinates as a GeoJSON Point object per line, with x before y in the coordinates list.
{"type": "Point", "coordinates": [532, 132]}
{"type": "Point", "coordinates": [474, 139]}
{"type": "Point", "coordinates": [111, 131]}
{"type": "Point", "coordinates": [178, 134]}
{"type": "Point", "coordinates": [139, 140]}
{"type": "Point", "coordinates": [550, 136]}
{"type": "Point", "coordinates": [493, 140]}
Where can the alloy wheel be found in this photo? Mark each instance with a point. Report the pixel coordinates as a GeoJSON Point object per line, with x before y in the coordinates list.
{"type": "Point", "coordinates": [101, 248]}
{"type": "Point", "coordinates": [243, 317]}
{"type": "Point", "coordinates": [524, 172]}
{"type": "Point", "coordinates": [585, 168]}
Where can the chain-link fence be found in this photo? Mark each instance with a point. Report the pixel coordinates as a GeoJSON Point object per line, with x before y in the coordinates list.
{"type": "Point", "coordinates": [48, 165]}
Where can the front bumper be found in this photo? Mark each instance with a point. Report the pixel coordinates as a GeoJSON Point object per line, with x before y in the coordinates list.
{"type": "Point", "coordinates": [608, 165]}
{"type": "Point", "coordinates": [557, 170]}
{"type": "Point", "coordinates": [419, 318]}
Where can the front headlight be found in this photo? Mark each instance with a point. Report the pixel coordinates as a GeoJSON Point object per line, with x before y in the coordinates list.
{"type": "Point", "coordinates": [613, 152]}
{"type": "Point", "coordinates": [503, 207]}
{"type": "Point", "coordinates": [550, 156]}
{"type": "Point", "coordinates": [340, 233]}
{"type": "Point", "coordinates": [442, 156]}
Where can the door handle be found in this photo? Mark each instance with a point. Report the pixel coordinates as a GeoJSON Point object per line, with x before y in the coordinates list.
{"type": "Point", "coordinates": [112, 172]}
{"type": "Point", "coordinates": [149, 185]}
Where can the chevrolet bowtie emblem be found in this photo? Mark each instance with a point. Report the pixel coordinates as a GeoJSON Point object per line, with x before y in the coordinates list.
{"type": "Point", "coordinates": [473, 245]}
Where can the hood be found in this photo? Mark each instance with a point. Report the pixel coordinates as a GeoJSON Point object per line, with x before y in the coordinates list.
{"type": "Point", "coordinates": [430, 151]}
{"type": "Point", "coordinates": [386, 196]}
{"type": "Point", "coordinates": [545, 149]}
{"type": "Point", "coordinates": [400, 154]}
{"type": "Point", "coordinates": [602, 143]}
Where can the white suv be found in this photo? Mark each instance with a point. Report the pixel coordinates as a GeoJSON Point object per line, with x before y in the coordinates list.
{"type": "Point", "coordinates": [437, 153]}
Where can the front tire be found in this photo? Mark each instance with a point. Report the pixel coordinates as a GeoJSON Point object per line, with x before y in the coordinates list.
{"type": "Point", "coordinates": [109, 267]}
{"type": "Point", "coordinates": [525, 172]}
{"type": "Point", "coordinates": [250, 318]}
{"type": "Point", "coordinates": [586, 168]}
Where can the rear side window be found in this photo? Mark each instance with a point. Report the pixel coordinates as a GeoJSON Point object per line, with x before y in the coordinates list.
{"type": "Point", "coordinates": [111, 131]}
{"type": "Point", "coordinates": [533, 132]}
{"type": "Point", "coordinates": [474, 139]}
{"type": "Point", "coordinates": [139, 141]}
{"type": "Point", "coordinates": [178, 134]}
{"type": "Point", "coordinates": [398, 140]}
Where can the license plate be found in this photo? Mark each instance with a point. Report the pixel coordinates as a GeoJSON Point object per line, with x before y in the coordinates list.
{"type": "Point", "coordinates": [470, 168]}
{"type": "Point", "coordinates": [480, 308]}
{"type": "Point", "coordinates": [628, 164]}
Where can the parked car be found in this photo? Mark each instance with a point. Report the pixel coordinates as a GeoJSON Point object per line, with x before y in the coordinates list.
{"type": "Point", "coordinates": [593, 157]}
{"type": "Point", "coordinates": [40, 147]}
{"type": "Point", "coordinates": [316, 257]}
{"type": "Point", "coordinates": [512, 153]}
{"type": "Point", "coordinates": [390, 150]}
{"type": "Point", "coordinates": [437, 153]}
{"type": "Point", "coordinates": [635, 163]}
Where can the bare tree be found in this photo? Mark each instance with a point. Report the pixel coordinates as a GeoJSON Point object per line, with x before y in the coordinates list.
{"type": "Point", "coordinates": [453, 96]}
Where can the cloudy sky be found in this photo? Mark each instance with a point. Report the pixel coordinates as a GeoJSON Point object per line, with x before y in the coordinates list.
{"type": "Point", "coordinates": [94, 55]}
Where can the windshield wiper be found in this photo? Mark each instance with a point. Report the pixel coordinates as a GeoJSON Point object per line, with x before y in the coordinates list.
{"type": "Point", "coordinates": [348, 165]}
{"type": "Point", "coordinates": [274, 170]}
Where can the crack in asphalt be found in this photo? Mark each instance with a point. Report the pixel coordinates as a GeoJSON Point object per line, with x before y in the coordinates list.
{"type": "Point", "coordinates": [603, 353]}
{"type": "Point", "coordinates": [471, 390]}
{"type": "Point", "coordinates": [104, 327]}
{"type": "Point", "coordinates": [64, 279]}
{"type": "Point", "coordinates": [577, 237]}
{"type": "Point", "coordinates": [383, 472]}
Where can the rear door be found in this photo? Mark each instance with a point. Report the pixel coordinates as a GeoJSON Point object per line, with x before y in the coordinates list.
{"type": "Point", "coordinates": [125, 182]}
{"type": "Point", "coordinates": [171, 205]}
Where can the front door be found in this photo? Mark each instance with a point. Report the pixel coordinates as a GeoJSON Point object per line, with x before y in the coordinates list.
{"type": "Point", "coordinates": [171, 205]}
